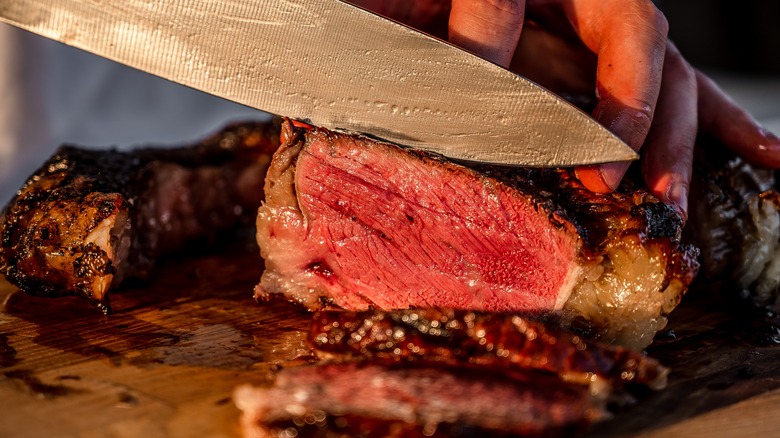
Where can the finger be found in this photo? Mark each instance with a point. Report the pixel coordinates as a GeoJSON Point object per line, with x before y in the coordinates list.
{"type": "Point", "coordinates": [629, 38]}
{"type": "Point", "coordinates": [562, 66]}
{"type": "Point", "coordinates": [488, 28]}
{"type": "Point", "coordinates": [667, 154]}
{"type": "Point", "coordinates": [430, 16]}
{"type": "Point", "coordinates": [722, 118]}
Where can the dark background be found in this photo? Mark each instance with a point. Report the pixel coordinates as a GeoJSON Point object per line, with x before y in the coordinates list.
{"type": "Point", "coordinates": [737, 36]}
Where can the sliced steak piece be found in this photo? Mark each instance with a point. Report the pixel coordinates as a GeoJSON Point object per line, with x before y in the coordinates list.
{"type": "Point", "coordinates": [353, 399]}
{"type": "Point", "coordinates": [354, 223]}
{"type": "Point", "coordinates": [736, 209]}
{"type": "Point", "coordinates": [90, 218]}
{"type": "Point", "coordinates": [489, 340]}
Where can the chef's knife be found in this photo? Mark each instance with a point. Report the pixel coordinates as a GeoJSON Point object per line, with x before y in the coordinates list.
{"type": "Point", "coordinates": [335, 65]}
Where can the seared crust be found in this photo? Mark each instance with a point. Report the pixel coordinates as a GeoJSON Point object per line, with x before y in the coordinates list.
{"type": "Point", "coordinates": [500, 342]}
{"type": "Point", "coordinates": [736, 209]}
{"type": "Point", "coordinates": [602, 219]}
{"type": "Point", "coordinates": [629, 268]}
{"type": "Point", "coordinates": [71, 227]}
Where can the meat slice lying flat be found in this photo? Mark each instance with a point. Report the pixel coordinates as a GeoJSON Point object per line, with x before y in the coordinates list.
{"type": "Point", "coordinates": [490, 341]}
{"type": "Point", "coordinates": [90, 218]}
{"type": "Point", "coordinates": [354, 223]}
{"type": "Point", "coordinates": [354, 399]}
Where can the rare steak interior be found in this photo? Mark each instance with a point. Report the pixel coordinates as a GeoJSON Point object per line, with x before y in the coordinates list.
{"type": "Point", "coordinates": [354, 223]}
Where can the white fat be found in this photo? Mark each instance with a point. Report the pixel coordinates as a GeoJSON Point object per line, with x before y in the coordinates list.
{"type": "Point", "coordinates": [111, 235]}
{"type": "Point", "coordinates": [101, 236]}
{"type": "Point", "coordinates": [569, 282]}
{"type": "Point", "coordinates": [623, 295]}
{"type": "Point", "coordinates": [760, 247]}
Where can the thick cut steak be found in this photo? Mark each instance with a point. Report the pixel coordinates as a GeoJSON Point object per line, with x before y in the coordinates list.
{"type": "Point", "coordinates": [89, 218]}
{"type": "Point", "coordinates": [354, 223]}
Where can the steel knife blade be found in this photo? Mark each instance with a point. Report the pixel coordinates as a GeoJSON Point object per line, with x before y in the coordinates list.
{"type": "Point", "coordinates": [332, 64]}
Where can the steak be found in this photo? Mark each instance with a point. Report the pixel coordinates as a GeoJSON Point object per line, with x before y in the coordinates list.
{"type": "Point", "coordinates": [502, 342]}
{"type": "Point", "coordinates": [90, 218]}
{"type": "Point", "coordinates": [358, 399]}
{"type": "Point", "coordinates": [354, 223]}
{"type": "Point", "coordinates": [737, 213]}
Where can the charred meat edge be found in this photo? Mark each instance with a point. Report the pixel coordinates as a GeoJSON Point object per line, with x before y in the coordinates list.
{"type": "Point", "coordinates": [90, 218]}
{"type": "Point", "coordinates": [490, 340]}
{"type": "Point", "coordinates": [632, 268]}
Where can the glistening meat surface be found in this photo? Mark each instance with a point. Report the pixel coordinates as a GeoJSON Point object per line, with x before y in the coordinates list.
{"type": "Point", "coordinates": [87, 219]}
{"type": "Point", "coordinates": [356, 399]}
{"type": "Point", "coordinates": [485, 341]}
{"type": "Point", "coordinates": [737, 226]}
{"type": "Point", "coordinates": [355, 223]}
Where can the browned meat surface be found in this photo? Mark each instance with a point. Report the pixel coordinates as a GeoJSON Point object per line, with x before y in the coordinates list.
{"type": "Point", "coordinates": [354, 223]}
{"type": "Point", "coordinates": [353, 399]}
{"type": "Point", "coordinates": [487, 340]}
{"type": "Point", "coordinates": [90, 218]}
{"type": "Point", "coordinates": [736, 211]}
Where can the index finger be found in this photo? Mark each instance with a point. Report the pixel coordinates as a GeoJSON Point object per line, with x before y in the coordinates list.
{"type": "Point", "coordinates": [629, 38]}
{"type": "Point", "coordinates": [488, 28]}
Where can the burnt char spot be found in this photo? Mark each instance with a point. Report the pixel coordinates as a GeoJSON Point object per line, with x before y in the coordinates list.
{"type": "Point", "coordinates": [7, 353]}
{"type": "Point", "coordinates": [33, 384]}
{"type": "Point", "coordinates": [662, 220]}
{"type": "Point", "coordinates": [95, 261]}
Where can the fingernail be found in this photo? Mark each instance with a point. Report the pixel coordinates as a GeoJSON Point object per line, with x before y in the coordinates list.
{"type": "Point", "coordinates": [612, 173]}
{"type": "Point", "coordinates": [767, 136]}
{"type": "Point", "coordinates": [677, 196]}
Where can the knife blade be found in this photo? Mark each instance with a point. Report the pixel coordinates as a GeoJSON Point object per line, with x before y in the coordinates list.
{"type": "Point", "coordinates": [332, 64]}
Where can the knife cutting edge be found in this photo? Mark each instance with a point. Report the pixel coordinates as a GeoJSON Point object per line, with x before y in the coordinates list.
{"type": "Point", "coordinates": [332, 64]}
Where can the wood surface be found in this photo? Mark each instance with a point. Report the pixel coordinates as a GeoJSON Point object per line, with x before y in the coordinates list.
{"type": "Point", "coordinates": [164, 364]}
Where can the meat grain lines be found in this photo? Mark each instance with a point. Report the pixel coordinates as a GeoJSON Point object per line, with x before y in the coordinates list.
{"type": "Point", "coordinates": [356, 223]}
{"type": "Point", "coordinates": [166, 362]}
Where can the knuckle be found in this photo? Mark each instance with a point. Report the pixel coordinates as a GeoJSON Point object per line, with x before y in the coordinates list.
{"type": "Point", "coordinates": [642, 117]}
{"type": "Point", "coordinates": [511, 7]}
{"type": "Point", "coordinates": [678, 66]}
{"type": "Point", "coordinates": [645, 16]}
{"type": "Point", "coordinates": [658, 19]}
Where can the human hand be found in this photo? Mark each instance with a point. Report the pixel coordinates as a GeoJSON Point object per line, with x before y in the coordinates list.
{"type": "Point", "coordinates": [614, 53]}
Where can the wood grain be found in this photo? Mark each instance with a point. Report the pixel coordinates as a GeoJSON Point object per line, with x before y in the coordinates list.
{"type": "Point", "coordinates": [166, 362]}
{"type": "Point", "coordinates": [163, 365]}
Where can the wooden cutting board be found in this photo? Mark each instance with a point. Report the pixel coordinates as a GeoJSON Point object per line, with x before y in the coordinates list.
{"type": "Point", "coordinates": [164, 364]}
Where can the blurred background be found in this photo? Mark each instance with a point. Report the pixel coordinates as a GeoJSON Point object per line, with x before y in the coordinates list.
{"type": "Point", "coordinates": [736, 36]}
{"type": "Point", "coordinates": [737, 43]}
{"type": "Point", "coordinates": [74, 97]}
{"type": "Point", "coordinates": [54, 94]}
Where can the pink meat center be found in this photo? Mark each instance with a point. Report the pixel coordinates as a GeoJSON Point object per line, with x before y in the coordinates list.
{"type": "Point", "coordinates": [399, 232]}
